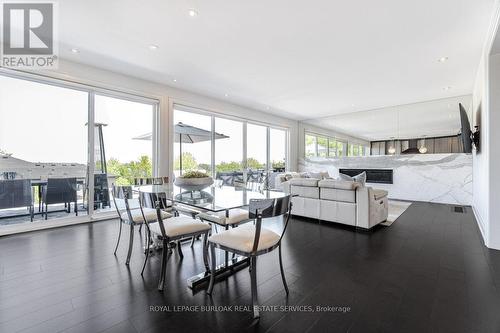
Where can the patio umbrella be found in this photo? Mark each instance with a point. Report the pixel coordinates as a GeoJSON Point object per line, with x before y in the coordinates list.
{"type": "Point", "coordinates": [184, 133]}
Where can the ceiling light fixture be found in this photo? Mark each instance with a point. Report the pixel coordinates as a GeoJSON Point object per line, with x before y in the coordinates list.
{"type": "Point", "coordinates": [153, 47]}
{"type": "Point", "coordinates": [192, 13]}
{"type": "Point", "coordinates": [226, 95]}
{"type": "Point", "coordinates": [443, 59]}
{"type": "Point", "coordinates": [75, 50]}
{"type": "Point", "coordinates": [175, 80]}
{"type": "Point", "coordinates": [446, 88]}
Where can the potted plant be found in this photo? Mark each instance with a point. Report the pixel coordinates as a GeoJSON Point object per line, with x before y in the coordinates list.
{"type": "Point", "coordinates": [194, 180]}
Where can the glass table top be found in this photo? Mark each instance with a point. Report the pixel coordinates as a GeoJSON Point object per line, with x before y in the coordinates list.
{"type": "Point", "coordinates": [211, 198]}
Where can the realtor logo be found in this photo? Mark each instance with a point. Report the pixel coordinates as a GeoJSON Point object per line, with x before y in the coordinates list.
{"type": "Point", "coordinates": [28, 34]}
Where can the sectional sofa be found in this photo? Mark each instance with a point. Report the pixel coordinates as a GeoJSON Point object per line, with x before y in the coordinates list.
{"type": "Point", "coordinates": [339, 201]}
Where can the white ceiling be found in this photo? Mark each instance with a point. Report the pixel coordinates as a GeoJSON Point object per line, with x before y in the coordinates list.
{"type": "Point", "coordinates": [304, 58]}
{"type": "Point", "coordinates": [426, 119]}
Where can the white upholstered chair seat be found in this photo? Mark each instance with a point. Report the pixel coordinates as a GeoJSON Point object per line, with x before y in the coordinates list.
{"type": "Point", "coordinates": [236, 215]}
{"type": "Point", "coordinates": [242, 238]}
{"type": "Point", "coordinates": [149, 213]}
{"type": "Point", "coordinates": [178, 226]}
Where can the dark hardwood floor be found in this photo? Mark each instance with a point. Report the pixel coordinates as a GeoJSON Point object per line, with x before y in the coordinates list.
{"type": "Point", "coordinates": [428, 272]}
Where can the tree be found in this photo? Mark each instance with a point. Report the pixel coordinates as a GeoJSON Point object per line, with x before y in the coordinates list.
{"type": "Point", "coordinates": [253, 163]}
{"type": "Point", "coordinates": [188, 162]}
{"type": "Point", "coordinates": [126, 172]}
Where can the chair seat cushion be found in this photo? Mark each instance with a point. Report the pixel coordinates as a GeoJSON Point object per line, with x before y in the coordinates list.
{"type": "Point", "coordinates": [236, 215]}
{"type": "Point", "coordinates": [150, 214]}
{"type": "Point", "coordinates": [242, 238]}
{"type": "Point", "coordinates": [379, 194]}
{"type": "Point", "coordinates": [178, 226]}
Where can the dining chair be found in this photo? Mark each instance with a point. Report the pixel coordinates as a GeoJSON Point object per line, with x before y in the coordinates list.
{"type": "Point", "coordinates": [58, 191]}
{"type": "Point", "coordinates": [130, 212]}
{"type": "Point", "coordinates": [170, 230]}
{"type": "Point", "coordinates": [16, 193]}
{"type": "Point", "coordinates": [252, 240]}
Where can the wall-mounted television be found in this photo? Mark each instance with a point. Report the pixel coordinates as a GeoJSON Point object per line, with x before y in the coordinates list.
{"type": "Point", "coordinates": [465, 130]}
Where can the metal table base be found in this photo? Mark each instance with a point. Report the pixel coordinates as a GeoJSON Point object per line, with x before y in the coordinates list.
{"type": "Point", "coordinates": [221, 272]}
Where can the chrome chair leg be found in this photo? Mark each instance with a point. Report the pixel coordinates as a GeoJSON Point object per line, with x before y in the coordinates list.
{"type": "Point", "coordinates": [147, 252]}
{"type": "Point", "coordinates": [130, 244]}
{"type": "Point", "coordinates": [205, 251]}
{"type": "Point", "coordinates": [253, 279]}
{"type": "Point", "coordinates": [192, 241]}
{"type": "Point", "coordinates": [179, 249]}
{"type": "Point", "coordinates": [282, 271]}
{"type": "Point", "coordinates": [140, 228]}
{"type": "Point", "coordinates": [119, 236]}
{"type": "Point", "coordinates": [163, 268]}
{"type": "Point", "coordinates": [212, 269]}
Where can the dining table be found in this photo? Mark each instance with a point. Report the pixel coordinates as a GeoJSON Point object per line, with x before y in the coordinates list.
{"type": "Point", "coordinates": [215, 199]}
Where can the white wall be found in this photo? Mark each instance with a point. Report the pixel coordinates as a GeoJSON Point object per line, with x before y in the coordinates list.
{"type": "Point", "coordinates": [167, 96]}
{"type": "Point", "coordinates": [486, 163]}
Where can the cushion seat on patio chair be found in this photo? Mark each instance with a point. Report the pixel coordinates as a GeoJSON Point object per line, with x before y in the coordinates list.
{"type": "Point", "coordinates": [179, 225]}
{"type": "Point", "coordinates": [236, 216]}
{"type": "Point", "coordinates": [242, 238]}
{"type": "Point", "coordinates": [150, 214]}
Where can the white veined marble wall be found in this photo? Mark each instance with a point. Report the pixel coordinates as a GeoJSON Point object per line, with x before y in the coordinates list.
{"type": "Point", "coordinates": [440, 178]}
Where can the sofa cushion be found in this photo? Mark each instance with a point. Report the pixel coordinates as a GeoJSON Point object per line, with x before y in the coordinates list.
{"type": "Point", "coordinates": [305, 191]}
{"type": "Point", "coordinates": [379, 194]}
{"type": "Point", "coordinates": [339, 184]}
{"type": "Point", "coordinates": [337, 194]}
{"type": "Point", "coordinates": [319, 175]}
{"type": "Point", "coordinates": [304, 182]}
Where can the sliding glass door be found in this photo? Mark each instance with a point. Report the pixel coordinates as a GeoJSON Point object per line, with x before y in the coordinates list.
{"type": "Point", "coordinates": [53, 167]}
{"type": "Point", "coordinates": [43, 151]}
{"type": "Point", "coordinates": [123, 145]}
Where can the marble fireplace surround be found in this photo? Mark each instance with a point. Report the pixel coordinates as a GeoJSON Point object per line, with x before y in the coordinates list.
{"type": "Point", "coordinates": [440, 178]}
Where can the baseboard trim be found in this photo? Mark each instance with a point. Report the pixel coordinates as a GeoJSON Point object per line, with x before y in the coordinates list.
{"type": "Point", "coordinates": [480, 223]}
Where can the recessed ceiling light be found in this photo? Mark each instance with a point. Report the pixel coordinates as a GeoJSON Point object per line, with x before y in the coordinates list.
{"type": "Point", "coordinates": [75, 50]}
{"type": "Point", "coordinates": [353, 104]}
{"type": "Point", "coordinates": [446, 88]}
{"type": "Point", "coordinates": [175, 80]}
{"type": "Point", "coordinates": [153, 47]}
{"type": "Point", "coordinates": [192, 13]}
{"type": "Point", "coordinates": [443, 59]}
{"type": "Point", "coordinates": [226, 95]}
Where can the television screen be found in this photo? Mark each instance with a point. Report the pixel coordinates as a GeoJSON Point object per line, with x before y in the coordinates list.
{"type": "Point", "coordinates": [465, 130]}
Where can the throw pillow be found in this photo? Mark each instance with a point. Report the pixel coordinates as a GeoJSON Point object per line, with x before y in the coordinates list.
{"type": "Point", "coordinates": [345, 177]}
{"type": "Point", "coordinates": [361, 178]}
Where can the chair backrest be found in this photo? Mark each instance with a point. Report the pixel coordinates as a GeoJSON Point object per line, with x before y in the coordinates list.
{"type": "Point", "coordinates": [155, 201]}
{"type": "Point", "coordinates": [259, 209]}
{"type": "Point", "coordinates": [121, 198]}
{"type": "Point", "coordinates": [15, 193]}
{"type": "Point", "coordinates": [60, 190]}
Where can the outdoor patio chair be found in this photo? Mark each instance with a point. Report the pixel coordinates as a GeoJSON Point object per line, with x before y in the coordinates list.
{"type": "Point", "coordinates": [16, 193]}
{"type": "Point", "coordinates": [59, 191]}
